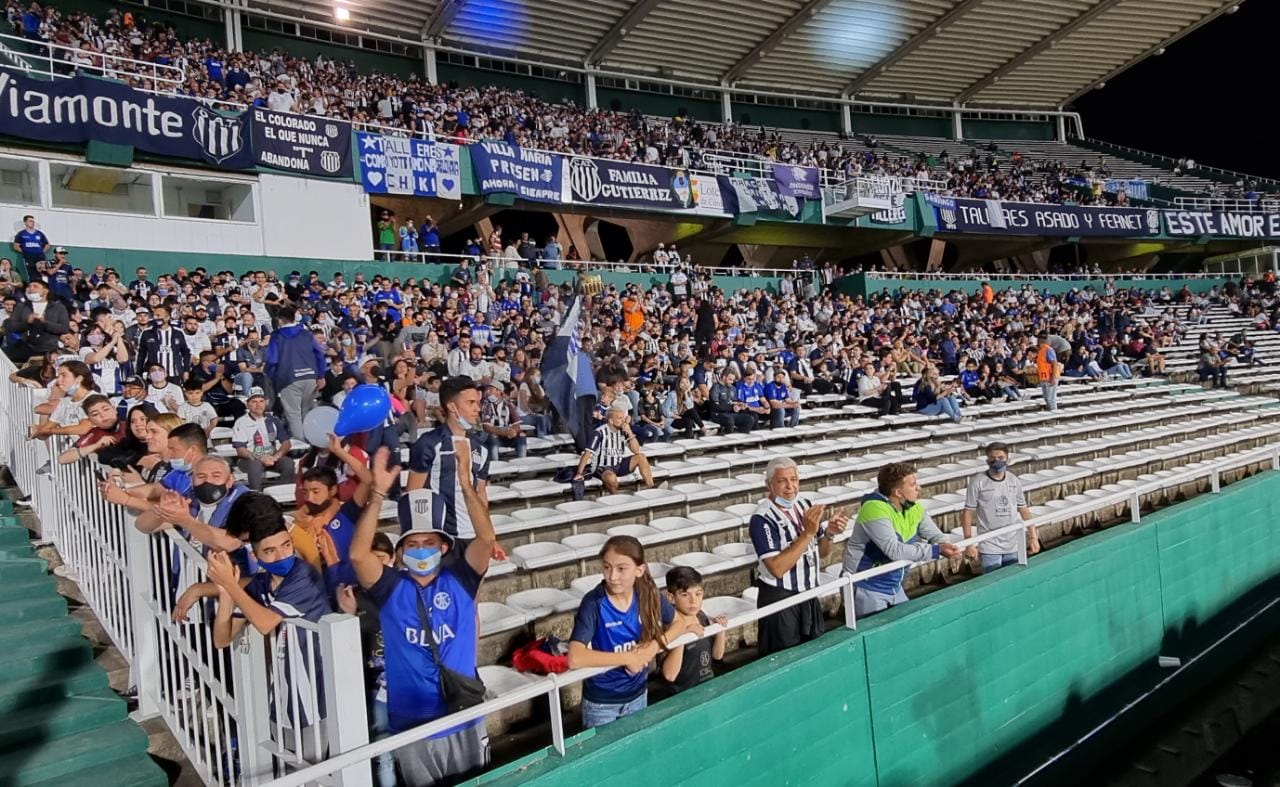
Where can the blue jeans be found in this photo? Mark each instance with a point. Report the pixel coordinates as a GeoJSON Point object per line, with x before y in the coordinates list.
{"type": "Point", "coordinates": [492, 442]}
{"type": "Point", "coordinates": [598, 714]}
{"type": "Point", "coordinates": [869, 602]}
{"type": "Point", "coordinates": [946, 405]}
{"type": "Point", "coordinates": [541, 423]}
{"type": "Point", "coordinates": [992, 562]}
{"type": "Point", "coordinates": [647, 433]}
{"type": "Point", "coordinates": [384, 765]}
{"type": "Point", "coordinates": [789, 417]}
{"type": "Point", "coordinates": [1050, 392]}
{"type": "Point", "coordinates": [1120, 370]}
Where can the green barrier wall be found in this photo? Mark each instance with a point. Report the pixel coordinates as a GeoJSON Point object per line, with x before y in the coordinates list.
{"type": "Point", "coordinates": [158, 262]}
{"type": "Point", "coordinates": [861, 284]}
{"type": "Point", "coordinates": [928, 693]}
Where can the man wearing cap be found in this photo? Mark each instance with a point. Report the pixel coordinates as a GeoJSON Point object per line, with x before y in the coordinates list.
{"type": "Point", "coordinates": [58, 274]}
{"type": "Point", "coordinates": [261, 441]}
{"type": "Point", "coordinates": [428, 615]}
{"type": "Point", "coordinates": [614, 451]}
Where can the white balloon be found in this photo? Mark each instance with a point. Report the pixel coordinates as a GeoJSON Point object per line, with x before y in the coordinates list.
{"type": "Point", "coordinates": [318, 425]}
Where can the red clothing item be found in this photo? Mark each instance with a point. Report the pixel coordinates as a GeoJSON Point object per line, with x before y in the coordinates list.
{"type": "Point", "coordinates": [95, 434]}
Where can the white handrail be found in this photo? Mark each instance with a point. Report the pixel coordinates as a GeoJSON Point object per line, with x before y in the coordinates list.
{"type": "Point", "coordinates": [844, 584]}
{"type": "Point", "coordinates": [1264, 204]}
{"type": "Point", "coordinates": [1033, 277]}
{"type": "Point", "coordinates": [503, 262]}
{"type": "Point", "coordinates": [58, 61]}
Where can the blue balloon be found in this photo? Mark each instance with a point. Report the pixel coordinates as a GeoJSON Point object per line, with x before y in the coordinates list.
{"type": "Point", "coordinates": [365, 407]}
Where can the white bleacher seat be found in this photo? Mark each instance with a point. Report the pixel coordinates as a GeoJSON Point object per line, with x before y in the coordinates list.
{"type": "Point", "coordinates": [540, 602]}
{"type": "Point", "coordinates": [585, 584]}
{"type": "Point", "coordinates": [585, 545]}
{"type": "Point", "coordinates": [496, 618]}
{"type": "Point", "coordinates": [729, 606]}
{"type": "Point", "coordinates": [284, 494]}
{"type": "Point", "coordinates": [643, 533]}
{"type": "Point", "coordinates": [705, 562]}
{"type": "Point", "coordinates": [540, 554]}
{"type": "Point", "coordinates": [500, 680]}
{"type": "Point", "coordinates": [738, 553]}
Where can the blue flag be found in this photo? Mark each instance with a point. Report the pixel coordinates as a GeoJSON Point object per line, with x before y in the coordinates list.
{"type": "Point", "coordinates": [567, 376]}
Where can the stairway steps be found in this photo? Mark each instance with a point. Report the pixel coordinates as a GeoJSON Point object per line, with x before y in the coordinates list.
{"type": "Point", "coordinates": [86, 753]}
{"type": "Point", "coordinates": [47, 607]}
{"type": "Point", "coordinates": [43, 655]}
{"type": "Point", "coordinates": [55, 720]}
{"type": "Point", "coordinates": [18, 695]}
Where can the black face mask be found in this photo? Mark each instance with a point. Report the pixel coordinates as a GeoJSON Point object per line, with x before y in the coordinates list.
{"type": "Point", "coordinates": [208, 493]}
{"type": "Point", "coordinates": [375, 371]}
{"type": "Point", "coordinates": [316, 508]}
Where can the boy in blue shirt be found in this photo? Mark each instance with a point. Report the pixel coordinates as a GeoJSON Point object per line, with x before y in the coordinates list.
{"type": "Point", "coordinates": [784, 411]}
{"type": "Point", "coordinates": [32, 244]}
{"type": "Point", "coordinates": [427, 596]}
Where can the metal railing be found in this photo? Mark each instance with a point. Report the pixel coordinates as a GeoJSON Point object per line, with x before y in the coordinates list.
{"type": "Point", "coordinates": [1036, 277]}
{"type": "Point", "coordinates": [550, 686]}
{"type": "Point", "coordinates": [242, 715]}
{"type": "Point", "coordinates": [1172, 162]}
{"type": "Point", "coordinates": [1265, 204]}
{"type": "Point", "coordinates": [57, 61]}
{"type": "Point", "coordinates": [500, 266]}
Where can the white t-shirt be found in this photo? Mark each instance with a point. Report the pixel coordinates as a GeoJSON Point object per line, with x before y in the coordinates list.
{"type": "Point", "coordinates": [679, 283]}
{"type": "Point", "coordinates": [202, 414]}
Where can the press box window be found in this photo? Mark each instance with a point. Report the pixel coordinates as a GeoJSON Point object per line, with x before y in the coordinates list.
{"type": "Point", "coordinates": [102, 189]}
{"type": "Point", "coordinates": [192, 198]}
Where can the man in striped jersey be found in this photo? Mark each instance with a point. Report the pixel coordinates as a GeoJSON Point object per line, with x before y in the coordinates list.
{"type": "Point", "coordinates": [791, 540]}
{"type": "Point", "coordinates": [614, 451]}
{"type": "Point", "coordinates": [433, 462]}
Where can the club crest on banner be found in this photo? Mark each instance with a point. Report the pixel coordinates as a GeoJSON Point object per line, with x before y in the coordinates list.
{"type": "Point", "coordinates": [584, 179]}
{"type": "Point", "coordinates": [220, 137]}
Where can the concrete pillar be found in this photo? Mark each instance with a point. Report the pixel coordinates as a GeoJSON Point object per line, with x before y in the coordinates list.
{"type": "Point", "coordinates": [233, 22]}
{"type": "Point", "coordinates": [846, 118]}
{"type": "Point", "coordinates": [726, 106]}
{"type": "Point", "coordinates": [591, 91]}
{"type": "Point", "coordinates": [957, 124]}
{"type": "Point", "coordinates": [1062, 127]}
{"type": "Point", "coordinates": [429, 63]}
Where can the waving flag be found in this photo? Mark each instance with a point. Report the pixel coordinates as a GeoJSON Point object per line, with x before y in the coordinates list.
{"type": "Point", "coordinates": [567, 377]}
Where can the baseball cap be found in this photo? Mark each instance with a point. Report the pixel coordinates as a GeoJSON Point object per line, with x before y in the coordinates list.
{"type": "Point", "coordinates": [60, 250]}
{"type": "Point", "coordinates": [134, 380]}
{"type": "Point", "coordinates": [620, 405]}
{"type": "Point", "coordinates": [415, 511]}
{"type": "Point", "coordinates": [256, 392]}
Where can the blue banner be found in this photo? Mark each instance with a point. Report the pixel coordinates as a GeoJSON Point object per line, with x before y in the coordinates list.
{"type": "Point", "coordinates": [566, 368]}
{"type": "Point", "coordinates": [1233, 223]}
{"type": "Point", "coordinates": [993, 217]}
{"type": "Point", "coordinates": [84, 109]}
{"type": "Point", "coordinates": [594, 181]}
{"type": "Point", "coordinates": [417, 167]}
{"type": "Point", "coordinates": [759, 195]}
{"type": "Point", "coordinates": [1135, 189]}
{"type": "Point", "coordinates": [298, 143]}
{"type": "Point", "coordinates": [798, 182]}
{"type": "Point", "coordinates": [533, 175]}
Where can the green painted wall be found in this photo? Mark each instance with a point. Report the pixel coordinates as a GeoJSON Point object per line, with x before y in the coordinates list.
{"type": "Point", "coordinates": [158, 262]}
{"type": "Point", "coordinates": [654, 104]}
{"type": "Point", "coordinates": [860, 284]}
{"type": "Point", "coordinates": [944, 685]}
{"type": "Point", "coordinates": [785, 117]}
{"type": "Point", "coordinates": [367, 60]}
{"type": "Point", "coordinates": [903, 125]}
{"type": "Point", "coordinates": [1009, 129]}
{"type": "Point", "coordinates": [187, 26]}
{"type": "Point", "coordinates": [547, 89]}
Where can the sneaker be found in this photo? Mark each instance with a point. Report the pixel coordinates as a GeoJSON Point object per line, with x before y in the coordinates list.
{"type": "Point", "coordinates": [23, 501]}
{"type": "Point", "coordinates": [43, 469]}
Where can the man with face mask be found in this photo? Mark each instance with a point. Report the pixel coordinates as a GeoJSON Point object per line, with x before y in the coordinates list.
{"type": "Point", "coordinates": [790, 539]}
{"type": "Point", "coordinates": [892, 526]}
{"type": "Point", "coordinates": [993, 497]}
{"type": "Point", "coordinates": [435, 461]}
{"type": "Point", "coordinates": [428, 610]}
{"type": "Point", "coordinates": [203, 514]}
{"type": "Point", "coordinates": [38, 323]}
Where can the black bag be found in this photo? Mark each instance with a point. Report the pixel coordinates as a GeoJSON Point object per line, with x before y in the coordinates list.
{"type": "Point", "coordinates": [459, 691]}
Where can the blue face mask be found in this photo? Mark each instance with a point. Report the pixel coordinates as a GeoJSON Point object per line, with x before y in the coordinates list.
{"type": "Point", "coordinates": [280, 567]}
{"type": "Point", "coordinates": [423, 561]}
{"type": "Point", "coordinates": [784, 503]}
{"type": "Point", "coordinates": [997, 467]}
{"type": "Point", "coordinates": [179, 463]}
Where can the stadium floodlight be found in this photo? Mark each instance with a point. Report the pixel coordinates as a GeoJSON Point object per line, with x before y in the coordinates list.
{"type": "Point", "coordinates": [341, 14]}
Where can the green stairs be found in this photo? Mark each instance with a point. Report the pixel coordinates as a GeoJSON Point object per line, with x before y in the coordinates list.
{"type": "Point", "coordinates": [60, 723]}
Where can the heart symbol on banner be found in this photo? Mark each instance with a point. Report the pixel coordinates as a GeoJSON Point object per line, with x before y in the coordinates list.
{"type": "Point", "coordinates": [374, 178]}
{"type": "Point", "coordinates": [447, 183]}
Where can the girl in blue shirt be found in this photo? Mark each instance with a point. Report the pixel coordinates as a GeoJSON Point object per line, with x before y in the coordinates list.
{"type": "Point", "coordinates": [620, 624]}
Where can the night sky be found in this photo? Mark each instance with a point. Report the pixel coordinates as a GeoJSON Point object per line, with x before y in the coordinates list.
{"type": "Point", "coordinates": [1206, 97]}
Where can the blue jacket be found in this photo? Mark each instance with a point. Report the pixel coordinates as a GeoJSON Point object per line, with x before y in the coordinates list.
{"type": "Point", "coordinates": [294, 354]}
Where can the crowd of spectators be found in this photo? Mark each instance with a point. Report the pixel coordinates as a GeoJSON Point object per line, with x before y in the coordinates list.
{"type": "Point", "coordinates": [462, 114]}
{"type": "Point", "coordinates": [140, 373]}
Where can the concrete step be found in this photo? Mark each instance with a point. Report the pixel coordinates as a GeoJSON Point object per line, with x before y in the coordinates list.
{"type": "Point", "coordinates": [137, 770]}
{"type": "Point", "coordinates": [42, 608]}
{"type": "Point", "coordinates": [43, 655]}
{"type": "Point", "coordinates": [13, 634]}
{"type": "Point", "coordinates": [87, 754]}
{"type": "Point", "coordinates": [54, 720]}
{"type": "Point", "coordinates": [22, 569]}
{"type": "Point", "coordinates": [18, 695]}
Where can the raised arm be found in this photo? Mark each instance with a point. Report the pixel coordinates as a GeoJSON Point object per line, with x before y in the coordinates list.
{"type": "Point", "coordinates": [367, 566]}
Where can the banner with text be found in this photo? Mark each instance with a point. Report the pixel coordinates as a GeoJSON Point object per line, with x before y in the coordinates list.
{"type": "Point", "coordinates": [84, 109]}
{"type": "Point", "coordinates": [993, 217]}
{"type": "Point", "coordinates": [623, 184]}
{"type": "Point", "coordinates": [1236, 224]}
{"type": "Point", "coordinates": [1135, 189]}
{"type": "Point", "coordinates": [757, 195]}
{"type": "Point", "coordinates": [301, 144]}
{"type": "Point", "coordinates": [419, 167]}
{"type": "Point", "coordinates": [798, 182]}
{"type": "Point", "coordinates": [533, 175]}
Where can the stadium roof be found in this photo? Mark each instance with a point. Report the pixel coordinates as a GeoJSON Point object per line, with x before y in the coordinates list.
{"type": "Point", "coordinates": [1008, 53]}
